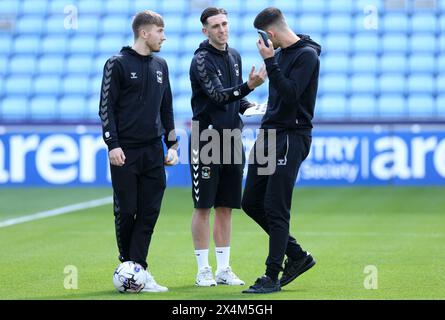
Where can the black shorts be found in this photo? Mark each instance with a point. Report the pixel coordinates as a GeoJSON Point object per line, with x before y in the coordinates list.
{"type": "Point", "coordinates": [216, 184]}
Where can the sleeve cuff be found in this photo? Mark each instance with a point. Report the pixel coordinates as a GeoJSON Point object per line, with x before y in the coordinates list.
{"type": "Point", "coordinates": [245, 90]}
{"type": "Point", "coordinates": [270, 63]}
{"type": "Point", "coordinates": [113, 145]}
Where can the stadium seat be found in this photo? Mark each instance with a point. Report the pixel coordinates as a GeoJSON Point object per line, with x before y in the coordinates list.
{"type": "Point", "coordinates": [255, 6]}
{"type": "Point", "coordinates": [171, 45]}
{"type": "Point", "coordinates": [174, 25]}
{"type": "Point", "coordinates": [90, 7]}
{"type": "Point", "coordinates": [26, 44]}
{"type": "Point", "coordinates": [334, 83]}
{"type": "Point", "coordinates": [420, 42]}
{"type": "Point", "coordinates": [318, 6]}
{"type": "Point", "coordinates": [339, 23]}
{"type": "Point", "coordinates": [140, 5]}
{"type": "Point", "coordinates": [18, 85]}
{"type": "Point", "coordinates": [182, 104]}
{"type": "Point", "coordinates": [331, 106]}
{"type": "Point", "coordinates": [49, 84]}
{"type": "Point", "coordinates": [391, 105]}
{"type": "Point", "coordinates": [51, 64]}
{"type": "Point", "coordinates": [422, 63]}
{"type": "Point", "coordinates": [421, 106]}
{"type": "Point", "coordinates": [362, 106]}
{"type": "Point", "coordinates": [9, 8]}
{"type": "Point", "coordinates": [111, 44]}
{"type": "Point", "coordinates": [365, 63]}
{"type": "Point", "coordinates": [335, 62]}
{"type": "Point", "coordinates": [72, 107]}
{"type": "Point", "coordinates": [115, 24]}
{"type": "Point", "coordinates": [192, 23]}
{"type": "Point", "coordinates": [310, 23]}
{"type": "Point", "coordinates": [395, 42]}
{"type": "Point", "coordinates": [392, 83]}
{"type": "Point", "coordinates": [190, 43]}
{"type": "Point", "coordinates": [231, 6]}
{"type": "Point", "coordinates": [246, 25]}
{"type": "Point", "coordinates": [248, 43]}
{"type": "Point", "coordinates": [78, 84]}
{"type": "Point", "coordinates": [395, 22]}
{"type": "Point", "coordinates": [366, 42]}
{"type": "Point", "coordinates": [22, 64]}
{"type": "Point", "coordinates": [393, 62]}
{"type": "Point", "coordinates": [183, 85]}
{"type": "Point", "coordinates": [174, 6]}
{"type": "Point", "coordinates": [82, 44]}
{"type": "Point", "coordinates": [343, 6]}
{"type": "Point", "coordinates": [172, 61]}
{"type": "Point", "coordinates": [38, 7]}
{"type": "Point", "coordinates": [57, 44]}
{"type": "Point", "coordinates": [59, 7]}
{"type": "Point", "coordinates": [14, 108]}
{"type": "Point", "coordinates": [79, 64]}
{"type": "Point", "coordinates": [183, 64]}
{"type": "Point", "coordinates": [424, 22]}
{"type": "Point", "coordinates": [124, 7]}
{"type": "Point", "coordinates": [363, 83]}
{"type": "Point", "coordinates": [88, 24]}
{"type": "Point", "coordinates": [43, 108]}
{"type": "Point", "coordinates": [421, 83]}
{"type": "Point", "coordinates": [337, 43]}
{"type": "Point", "coordinates": [55, 24]}
{"type": "Point", "coordinates": [30, 24]}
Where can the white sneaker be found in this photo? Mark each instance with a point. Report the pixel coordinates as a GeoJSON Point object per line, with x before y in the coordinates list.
{"type": "Point", "coordinates": [204, 278]}
{"type": "Point", "coordinates": [151, 285]}
{"type": "Point", "coordinates": [226, 276]}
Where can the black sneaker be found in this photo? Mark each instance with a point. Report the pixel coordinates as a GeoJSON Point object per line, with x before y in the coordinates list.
{"type": "Point", "coordinates": [293, 268]}
{"type": "Point", "coordinates": [264, 285]}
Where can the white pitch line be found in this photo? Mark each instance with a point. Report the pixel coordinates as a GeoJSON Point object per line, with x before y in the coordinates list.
{"type": "Point", "coordinates": [57, 211]}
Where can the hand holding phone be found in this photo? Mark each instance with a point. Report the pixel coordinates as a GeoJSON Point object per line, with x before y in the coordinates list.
{"type": "Point", "coordinates": [264, 36]}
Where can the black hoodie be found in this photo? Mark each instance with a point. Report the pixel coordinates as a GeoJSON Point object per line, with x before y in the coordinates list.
{"type": "Point", "coordinates": [217, 87]}
{"type": "Point", "coordinates": [136, 100]}
{"type": "Point", "coordinates": [293, 74]}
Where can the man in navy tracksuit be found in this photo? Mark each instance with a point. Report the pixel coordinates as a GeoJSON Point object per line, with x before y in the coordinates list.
{"type": "Point", "coordinates": [218, 93]}
{"type": "Point", "coordinates": [136, 111]}
{"type": "Point", "coordinates": [293, 74]}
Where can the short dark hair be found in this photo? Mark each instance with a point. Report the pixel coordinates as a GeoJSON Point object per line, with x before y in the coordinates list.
{"type": "Point", "coordinates": [267, 17]}
{"type": "Point", "coordinates": [146, 17]}
{"type": "Point", "coordinates": [210, 12]}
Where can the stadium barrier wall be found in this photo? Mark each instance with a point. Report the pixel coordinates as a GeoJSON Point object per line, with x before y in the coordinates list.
{"type": "Point", "coordinates": [345, 155]}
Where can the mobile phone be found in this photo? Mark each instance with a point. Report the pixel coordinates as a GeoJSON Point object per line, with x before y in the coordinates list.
{"type": "Point", "coordinates": [264, 36]}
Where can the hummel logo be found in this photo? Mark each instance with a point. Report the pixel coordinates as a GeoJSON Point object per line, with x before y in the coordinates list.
{"type": "Point", "coordinates": [133, 75]}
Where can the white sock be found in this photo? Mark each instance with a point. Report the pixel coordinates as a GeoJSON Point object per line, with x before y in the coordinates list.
{"type": "Point", "coordinates": [222, 257]}
{"type": "Point", "coordinates": [202, 258]}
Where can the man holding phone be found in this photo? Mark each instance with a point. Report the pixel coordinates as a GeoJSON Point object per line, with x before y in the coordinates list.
{"type": "Point", "coordinates": [293, 81]}
{"type": "Point", "coordinates": [218, 93]}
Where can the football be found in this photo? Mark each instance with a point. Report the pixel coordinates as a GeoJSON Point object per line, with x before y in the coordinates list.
{"type": "Point", "coordinates": [129, 276]}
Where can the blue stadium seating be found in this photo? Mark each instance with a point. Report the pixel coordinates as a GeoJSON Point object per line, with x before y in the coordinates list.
{"type": "Point", "coordinates": [391, 106]}
{"type": "Point", "coordinates": [53, 72]}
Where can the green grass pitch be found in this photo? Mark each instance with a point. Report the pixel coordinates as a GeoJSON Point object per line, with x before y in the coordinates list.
{"type": "Point", "coordinates": [400, 231]}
